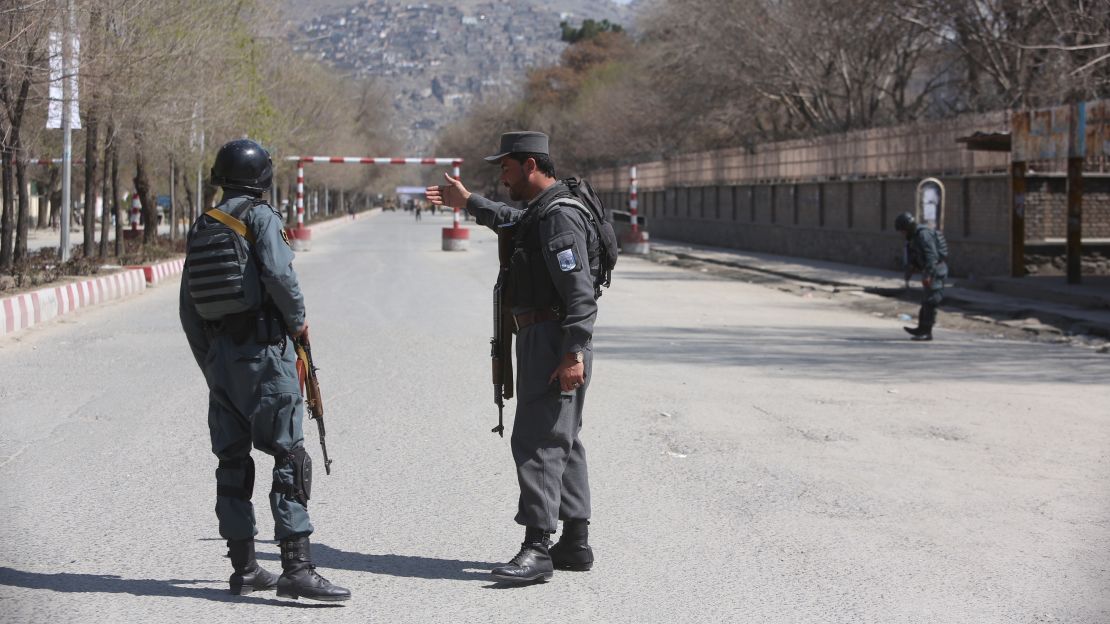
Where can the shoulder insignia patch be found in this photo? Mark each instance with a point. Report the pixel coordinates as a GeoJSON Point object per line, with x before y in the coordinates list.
{"type": "Point", "coordinates": [285, 236]}
{"type": "Point", "coordinates": [567, 261]}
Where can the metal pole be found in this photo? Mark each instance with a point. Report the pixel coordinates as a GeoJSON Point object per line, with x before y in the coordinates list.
{"type": "Point", "coordinates": [633, 202]}
{"type": "Point", "coordinates": [1017, 219]}
{"type": "Point", "coordinates": [455, 174]}
{"type": "Point", "coordinates": [67, 136]}
{"type": "Point", "coordinates": [1077, 153]}
{"type": "Point", "coordinates": [1075, 220]}
{"type": "Point", "coordinates": [300, 194]}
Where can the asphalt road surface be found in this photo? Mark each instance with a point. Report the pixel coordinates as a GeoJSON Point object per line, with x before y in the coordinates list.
{"type": "Point", "coordinates": [755, 457]}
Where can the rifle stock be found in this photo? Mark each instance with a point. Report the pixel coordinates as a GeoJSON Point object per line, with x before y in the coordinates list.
{"type": "Point", "coordinates": [313, 400]}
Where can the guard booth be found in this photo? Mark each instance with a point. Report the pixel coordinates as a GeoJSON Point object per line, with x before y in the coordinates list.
{"type": "Point", "coordinates": [1039, 140]}
{"type": "Point", "coordinates": [930, 203]}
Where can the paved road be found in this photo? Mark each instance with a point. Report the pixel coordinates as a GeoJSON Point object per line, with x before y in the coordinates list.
{"type": "Point", "coordinates": [755, 457]}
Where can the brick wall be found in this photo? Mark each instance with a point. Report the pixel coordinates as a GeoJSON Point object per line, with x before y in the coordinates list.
{"type": "Point", "coordinates": [1047, 207]}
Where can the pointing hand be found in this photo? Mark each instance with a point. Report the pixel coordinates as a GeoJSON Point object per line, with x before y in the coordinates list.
{"type": "Point", "coordinates": [453, 194]}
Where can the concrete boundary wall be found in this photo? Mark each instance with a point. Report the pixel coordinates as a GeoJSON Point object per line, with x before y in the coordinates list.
{"type": "Point", "coordinates": [846, 221]}
{"type": "Point", "coordinates": [851, 221]}
{"type": "Point", "coordinates": [835, 197]}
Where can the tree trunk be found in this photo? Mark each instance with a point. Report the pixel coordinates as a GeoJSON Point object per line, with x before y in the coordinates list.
{"type": "Point", "coordinates": [173, 199]}
{"type": "Point", "coordinates": [189, 195]}
{"type": "Point", "coordinates": [55, 206]}
{"type": "Point", "coordinates": [6, 172]}
{"type": "Point", "coordinates": [106, 213]}
{"type": "Point", "coordinates": [209, 192]}
{"type": "Point", "coordinates": [142, 189]}
{"type": "Point", "coordinates": [90, 51]}
{"type": "Point", "coordinates": [115, 195]}
{"type": "Point", "coordinates": [24, 221]}
{"type": "Point", "coordinates": [46, 213]}
{"type": "Point", "coordinates": [91, 138]}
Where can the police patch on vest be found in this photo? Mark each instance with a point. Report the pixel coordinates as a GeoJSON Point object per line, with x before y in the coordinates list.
{"type": "Point", "coordinates": [567, 261]}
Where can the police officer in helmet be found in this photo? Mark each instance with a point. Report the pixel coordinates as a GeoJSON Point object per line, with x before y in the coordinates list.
{"type": "Point", "coordinates": [240, 307]}
{"type": "Point", "coordinates": [925, 253]}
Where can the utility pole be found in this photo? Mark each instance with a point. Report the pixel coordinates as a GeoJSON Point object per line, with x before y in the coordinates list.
{"type": "Point", "coordinates": [67, 134]}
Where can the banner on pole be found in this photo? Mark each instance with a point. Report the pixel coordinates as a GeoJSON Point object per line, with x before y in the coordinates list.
{"type": "Point", "coordinates": [57, 74]}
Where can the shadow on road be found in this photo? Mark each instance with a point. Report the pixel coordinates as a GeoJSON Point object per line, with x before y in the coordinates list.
{"type": "Point", "coordinates": [882, 355]}
{"type": "Point", "coordinates": [407, 566]}
{"type": "Point", "coordinates": [112, 584]}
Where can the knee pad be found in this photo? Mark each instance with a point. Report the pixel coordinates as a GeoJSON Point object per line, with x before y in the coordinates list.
{"type": "Point", "coordinates": [301, 489]}
{"type": "Point", "coordinates": [246, 487]}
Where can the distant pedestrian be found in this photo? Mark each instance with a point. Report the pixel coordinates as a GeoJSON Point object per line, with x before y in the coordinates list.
{"type": "Point", "coordinates": [926, 253]}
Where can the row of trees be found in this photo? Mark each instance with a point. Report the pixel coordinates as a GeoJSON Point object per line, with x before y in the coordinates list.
{"type": "Point", "coordinates": [702, 74]}
{"type": "Point", "coordinates": [156, 81]}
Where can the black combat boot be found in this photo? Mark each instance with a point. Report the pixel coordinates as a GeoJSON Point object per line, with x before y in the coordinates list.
{"type": "Point", "coordinates": [299, 578]}
{"type": "Point", "coordinates": [532, 563]}
{"type": "Point", "coordinates": [248, 576]}
{"type": "Point", "coordinates": [572, 551]}
{"type": "Point", "coordinates": [919, 334]}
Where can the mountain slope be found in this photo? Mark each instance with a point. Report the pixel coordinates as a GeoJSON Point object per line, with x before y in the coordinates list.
{"type": "Point", "coordinates": [440, 58]}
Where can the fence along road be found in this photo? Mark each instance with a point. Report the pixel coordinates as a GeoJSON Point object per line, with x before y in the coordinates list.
{"type": "Point", "coordinates": [755, 456]}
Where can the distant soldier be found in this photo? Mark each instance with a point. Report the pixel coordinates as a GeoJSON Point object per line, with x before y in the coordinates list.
{"type": "Point", "coordinates": [241, 305]}
{"type": "Point", "coordinates": [926, 253]}
{"type": "Point", "coordinates": [553, 275]}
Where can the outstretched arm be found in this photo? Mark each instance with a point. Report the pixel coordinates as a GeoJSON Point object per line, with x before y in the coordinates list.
{"type": "Point", "coordinates": [485, 211]}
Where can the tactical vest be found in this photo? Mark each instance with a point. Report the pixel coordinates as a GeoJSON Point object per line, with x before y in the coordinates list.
{"type": "Point", "coordinates": [531, 282]}
{"type": "Point", "coordinates": [223, 280]}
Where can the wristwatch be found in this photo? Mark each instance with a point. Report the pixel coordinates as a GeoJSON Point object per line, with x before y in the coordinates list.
{"type": "Point", "coordinates": [578, 356]}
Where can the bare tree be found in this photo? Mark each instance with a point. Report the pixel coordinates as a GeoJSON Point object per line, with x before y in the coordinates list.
{"type": "Point", "coordinates": [24, 32]}
{"type": "Point", "coordinates": [1020, 53]}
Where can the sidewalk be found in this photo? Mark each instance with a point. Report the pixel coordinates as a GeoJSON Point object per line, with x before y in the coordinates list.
{"type": "Point", "coordinates": [1041, 301]}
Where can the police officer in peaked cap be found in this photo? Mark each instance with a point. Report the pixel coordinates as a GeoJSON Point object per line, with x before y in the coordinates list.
{"type": "Point", "coordinates": [240, 307]}
{"type": "Point", "coordinates": [553, 279]}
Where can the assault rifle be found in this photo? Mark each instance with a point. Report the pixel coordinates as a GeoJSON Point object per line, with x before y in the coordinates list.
{"type": "Point", "coordinates": [306, 370]}
{"type": "Point", "coordinates": [501, 344]}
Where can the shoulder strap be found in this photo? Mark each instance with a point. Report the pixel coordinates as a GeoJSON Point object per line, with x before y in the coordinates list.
{"type": "Point", "coordinates": [568, 200]}
{"type": "Point", "coordinates": [231, 222]}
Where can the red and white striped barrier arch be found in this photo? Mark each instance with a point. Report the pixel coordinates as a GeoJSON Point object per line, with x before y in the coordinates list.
{"type": "Point", "coordinates": [455, 238]}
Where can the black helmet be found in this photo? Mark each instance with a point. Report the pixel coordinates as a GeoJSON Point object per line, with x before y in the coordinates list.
{"type": "Point", "coordinates": [904, 222]}
{"type": "Point", "coordinates": [243, 164]}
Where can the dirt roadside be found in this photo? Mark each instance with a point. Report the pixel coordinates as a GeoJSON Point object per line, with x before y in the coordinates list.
{"type": "Point", "coordinates": [901, 305]}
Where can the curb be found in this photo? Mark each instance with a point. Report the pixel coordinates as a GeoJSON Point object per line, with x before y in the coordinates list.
{"type": "Point", "coordinates": [19, 312]}
{"type": "Point", "coordinates": [155, 273]}
{"type": "Point", "coordinates": [25, 310]}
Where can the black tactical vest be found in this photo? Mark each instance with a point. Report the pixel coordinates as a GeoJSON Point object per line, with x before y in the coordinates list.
{"type": "Point", "coordinates": [532, 286]}
{"type": "Point", "coordinates": [223, 277]}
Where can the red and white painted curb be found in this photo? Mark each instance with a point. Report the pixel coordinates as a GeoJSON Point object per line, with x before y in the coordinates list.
{"type": "Point", "coordinates": [28, 309]}
{"type": "Point", "coordinates": [155, 273]}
